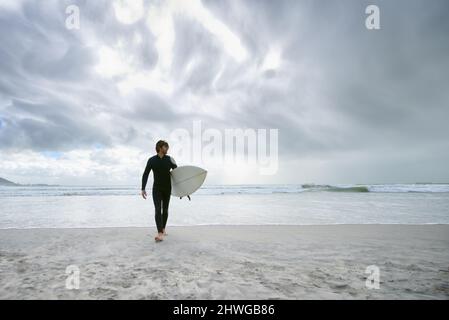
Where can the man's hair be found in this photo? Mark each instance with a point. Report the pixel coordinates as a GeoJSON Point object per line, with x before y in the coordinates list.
{"type": "Point", "coordinates": [160, 144]}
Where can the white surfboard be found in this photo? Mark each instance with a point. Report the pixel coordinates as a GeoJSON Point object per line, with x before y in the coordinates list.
{"type": "Point", "coordinates": [185, 180]}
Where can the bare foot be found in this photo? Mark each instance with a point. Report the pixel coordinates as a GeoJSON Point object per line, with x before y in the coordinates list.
{"type": "Point", "coordinates": [164, 233]}
{"type": "Point", "coordinates": [159, 237]}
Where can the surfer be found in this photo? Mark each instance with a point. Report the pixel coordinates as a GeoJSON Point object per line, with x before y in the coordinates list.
{"type": "Point", "coordinates": [161, 164]}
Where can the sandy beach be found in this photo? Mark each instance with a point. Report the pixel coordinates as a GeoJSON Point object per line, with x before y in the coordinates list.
{"type": "Point", "coordinates": [227, 262]}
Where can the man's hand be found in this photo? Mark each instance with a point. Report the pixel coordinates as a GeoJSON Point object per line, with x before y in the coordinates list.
{"type": "Point", "coordinates": [144, 194]}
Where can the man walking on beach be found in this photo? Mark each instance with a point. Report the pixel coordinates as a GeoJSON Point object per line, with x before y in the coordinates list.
{"type": "Point", "coordinates": [161, 164]}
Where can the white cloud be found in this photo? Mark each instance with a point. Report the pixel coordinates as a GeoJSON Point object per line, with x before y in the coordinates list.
{"type": "Point", "coordinates": [195, 9]}
{"type": "Point", "coordinates": [113, 62]}
{"type": "Point", "coordinates": [119, 61]}
{"type": "Point", "coordinates": [95, 166]}
{"type": "Point", "coordinates": [134, 72]}
{"type": "Point", "coordinates": [272, 60]}
{"type": "Point", "coordinates": [128, 11]}
{"type": "Point", "coordinates": [160, 23]}
{"type": "Point", "coordinates": [13, 5]}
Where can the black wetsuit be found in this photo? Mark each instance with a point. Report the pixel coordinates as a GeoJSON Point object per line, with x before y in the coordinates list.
{"type": "Point", "coordinates": [161, 186]}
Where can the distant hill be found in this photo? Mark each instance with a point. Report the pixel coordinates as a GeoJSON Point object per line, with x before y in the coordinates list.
{"type": "Point", "coordinates": [4, 182]}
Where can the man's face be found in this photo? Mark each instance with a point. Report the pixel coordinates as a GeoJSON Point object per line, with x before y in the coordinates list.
{"type": "Point", "coordinates": [164, 149]}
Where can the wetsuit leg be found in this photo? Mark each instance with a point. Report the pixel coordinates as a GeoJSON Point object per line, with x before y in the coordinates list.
{"type": "Point", "coordinates": [165, 203]}
{"type": "Point", "coordinates": [157, 200]}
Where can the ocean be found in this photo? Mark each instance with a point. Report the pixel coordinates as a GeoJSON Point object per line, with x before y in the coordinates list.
{"type": "Point", "coordinates": [306, 204]}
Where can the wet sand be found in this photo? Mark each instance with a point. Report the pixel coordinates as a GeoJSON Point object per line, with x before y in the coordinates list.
{"type": "Point", "coordinates": [227, 262]}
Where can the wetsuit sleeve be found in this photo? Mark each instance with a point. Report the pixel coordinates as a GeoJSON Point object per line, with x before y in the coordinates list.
{"type": "Point", "coordinates": [145, 174]}
{"type": "Point", "coordinates": [173, 164]}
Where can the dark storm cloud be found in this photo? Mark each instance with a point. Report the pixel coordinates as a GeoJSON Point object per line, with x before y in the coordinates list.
{"type": "Point", "coordinates": [197, 46]}
{"type": "Point", "coordinates": [49, 91]}
{"type": "Point", "coordinates": [395, 70]}
{"type": "Point", "coordinates": [340, 88]}
{"type": "Point", "coordinates": [384, 86]}
{"type": "Point", "coordinates": [149, 107]}
{"type": "Point", "coordinates": [100, 18]}
{"type": "Point", "coordinates": [51, 126]}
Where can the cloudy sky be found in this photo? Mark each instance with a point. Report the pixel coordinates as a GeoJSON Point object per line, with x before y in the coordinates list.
{"type": "Point", "coordinates": [351, 105]}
